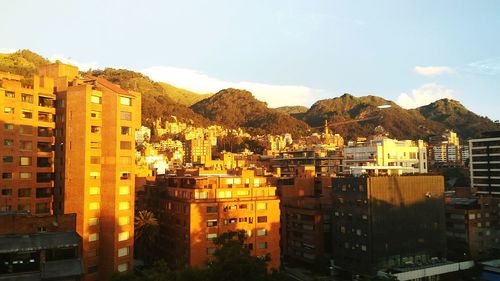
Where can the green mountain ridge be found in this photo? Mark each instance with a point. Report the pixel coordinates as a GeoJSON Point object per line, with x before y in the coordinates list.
{"type": "Point", "coordinates": [239, 108]}
{"type": "Point", "coordinates": [183, 96]}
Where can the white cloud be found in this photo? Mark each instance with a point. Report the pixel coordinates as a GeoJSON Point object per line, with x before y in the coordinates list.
{"type": "Point", "coordinates": [83, 66]}
{"type": "Point", "coordinates": [424, 95]}
{"type": "Point", "coordinates": [434, 70]}
{"type": "Point", "coordinates": [274, 95]}
{"type": "Point", "coordinates": [7, 50]}
{"type": "Point", "coordinates": [490, 66]}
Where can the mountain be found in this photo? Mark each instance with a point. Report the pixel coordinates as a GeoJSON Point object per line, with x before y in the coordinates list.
{"type": "Point", "coordinates": [454, 115]}
{"type": "Point", "coordinates": [156, 102]}
{"type": "Point", "coordinates": [296, 111]}
{"type": "Point", "coordinates": [239, 108]}
{"type": "Point", "coordinates": [22, 62]}
{"type": "Point", "coordinates": [354, 117]}
{"type": "Point", "coordinates": [182, 96]}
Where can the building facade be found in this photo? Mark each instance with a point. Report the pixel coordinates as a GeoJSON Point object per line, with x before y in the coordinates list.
{"type": "Point", "coordinates": [406, 156]}
{"type": "Point", "coordinates": [194, 208]}
{"type": "Point", "coordinates": [94, 162]}
{"type": "Point", "coordinates": [26, 130]}
{"type": "Point", "coordinates": [387, 222]}
{"type": "Point", "coordinates": [39, 247]}
{"type": "Point", "coordinates": [485, 163]}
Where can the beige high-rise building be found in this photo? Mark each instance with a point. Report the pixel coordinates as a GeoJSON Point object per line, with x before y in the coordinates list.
{"type": "Point", "coordinates": [94, 162]}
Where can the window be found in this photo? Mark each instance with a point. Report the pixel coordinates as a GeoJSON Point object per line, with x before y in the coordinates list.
{"type": "Point", "coordinates": [7, 192]}
{"type": "Point", "coordinates": [122, 267]}
{"type": "Point", "coordinates": [123, 205]}
{"type": "Point", "coordinates": [261, 232]}
{"type": "Point", "coordinates": [125, 101]}
{"type": "Point", "coordinates": [125, 145]}
{"type": "Point", "coordinates": [225, 194]}
{"type": "Point", "coordinates": [95, 175]}
{"type": "Point", "coordinates": [124, 190]}
{"type": "Point", "coordinates": [212, 222]}
{"type": "Point", "coordinates": [95, 159]}
{"type": "Point", "coordinates": [262, 219]}
{"type": "Point", "coordinates": [27, 98]}
{"type": "Point", "coordinates": [26, 145]}
{"type": "Point", "coordinates": [256, 182]}
{"type": "Point", "coordinates": [123, 220]}
{"type": "Point", "coordinates": [93, 237]}
{"type": "Point", "coordinates": [8, 142]}
{"type": "Point", "coordinates": [363, 248]}
{"type": "Point", "coordinates": [25, 175]}
{"type": "Point", "coordinates": [93, 221]}
{"type": "Point", "coordinates": [211, 209]}
{"type": "Point", "coordinates": [125, 115]}
{"type": "Point", "coordinates": [26, 130]}
{"type": "Point", "coordinates": [8, 126]}
{"type": "Point", "coordinates": [44, 117]}
{"type": "Point", "coordinates": [262, 245]}
{"type": "Point", "coordinates": [125, 175]}
{"type": "Point", "coordinates": [261, 206]}
{"type": "Point", "coordinates": [95, 144]}
{"type": "Point", "coordinates": [211, 251]}
{"type": "Point", "coordinates": [211, 236]}
{"type": "Point", "coordinates": [125, 130]}
{"type": "Point", "coordinates": [122, 252]}
{"type": "Point", "coordinates": [94, 190]}
{"type": "Point", "coordinates": [95, 99]}
{"type": "Point", "coordinates": [24, 207]}
{"type": "Point", "coordinates": [24, 161]}
{"type": "Point", "coordinates": [94, 206]}
{"type": "Point", "coordinates": [7, 175]}
{"type": "Point", "coordinates": [126, 160]}
{"type": "Point", "coordinates": [200, 195]}
{"type": "Point", "coordinates": [243, 192]}
{"type": "Point", "coordinates": [27, 114]}
{"type": "Point", "coordinates": [44, 132]}
{"type": "Point", "coordinates": [7, 159]}
{"type": "Point", "coordinates": [10, 94]}
{"type": "Point", "coordinates": [6, 208]}
{"type": "Point", "coordinates": [95, 129]}
{"type": "Point", "coordinates": [42, 208]}
{"type": "Point", "coordinates": [95, 114]}
{"type": "Point", "coordinates": [24, 192]}
{"type": "Point", "coordinates": [243, 206]}
{"type": "Point", "coordinates": [122, 236]}
{"type": "Point", "coordinates": [8, 110]}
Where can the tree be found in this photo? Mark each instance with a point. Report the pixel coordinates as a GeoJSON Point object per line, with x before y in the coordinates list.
{"type": "Point", "coordinates": [146, 235]}
{"type": "Point", "coordinates": [232, 260]}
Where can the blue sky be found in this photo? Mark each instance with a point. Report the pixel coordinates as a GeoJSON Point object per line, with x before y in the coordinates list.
{"type": "Point", "coordinates": [285, 52]}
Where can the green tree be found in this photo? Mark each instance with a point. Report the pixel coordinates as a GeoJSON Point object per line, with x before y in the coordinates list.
{"type": "Point", "coordinates": [146, 235]}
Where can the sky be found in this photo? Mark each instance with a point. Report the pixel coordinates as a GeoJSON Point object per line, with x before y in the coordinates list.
{"type": "Point", "coordinates": [285, 52]}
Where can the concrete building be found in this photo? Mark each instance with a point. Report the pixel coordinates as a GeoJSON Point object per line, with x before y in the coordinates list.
{"type": "Point", "coordinates": [406, 156]}
{"type": "Point", "coordinates": [198, 151]}
{"type": "Point", "coordinates": [485, 163]}
{"type": "Point", "coordinates": [472, 228]}
{"type": "Point", "coordinates": [325, 162]}
{"type": "Point", "coordinates": [94, 161]}
{"type": "Point", "coordinates": [26, 132]}
{"type": "Point", "coordinates": [387, 222]}
{"type": "Point", "coordinates": [306, 208]}
{"type": "Point", "coordinates": [39, 247]}
{"type": "Point", "coordinates": [194, 207]}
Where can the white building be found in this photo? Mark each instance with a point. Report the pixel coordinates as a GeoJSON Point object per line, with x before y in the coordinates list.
{"type": "Point", "coordinates": [385, 154]}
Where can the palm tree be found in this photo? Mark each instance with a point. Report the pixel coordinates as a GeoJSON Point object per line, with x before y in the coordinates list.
{"type": "Point", "coordinates": [146, 234]}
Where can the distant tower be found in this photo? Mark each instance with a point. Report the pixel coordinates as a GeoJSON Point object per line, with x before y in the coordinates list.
{"type": "Point", "coordinates": [326, 128]}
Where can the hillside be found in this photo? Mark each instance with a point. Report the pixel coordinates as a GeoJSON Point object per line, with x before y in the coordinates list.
{"type": "Point", "coordinates": [239, 108]}
{"type": "Point", "coordinates": [453, 114]}
{"type": "Point", "coordinates": [341, 111]}
{"type": "Point", "coordinates": [22, 62]}
{"type": "Point", "coordinates": [156, 102]}
{"type": "Point", "coordinates": [182, 96]}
